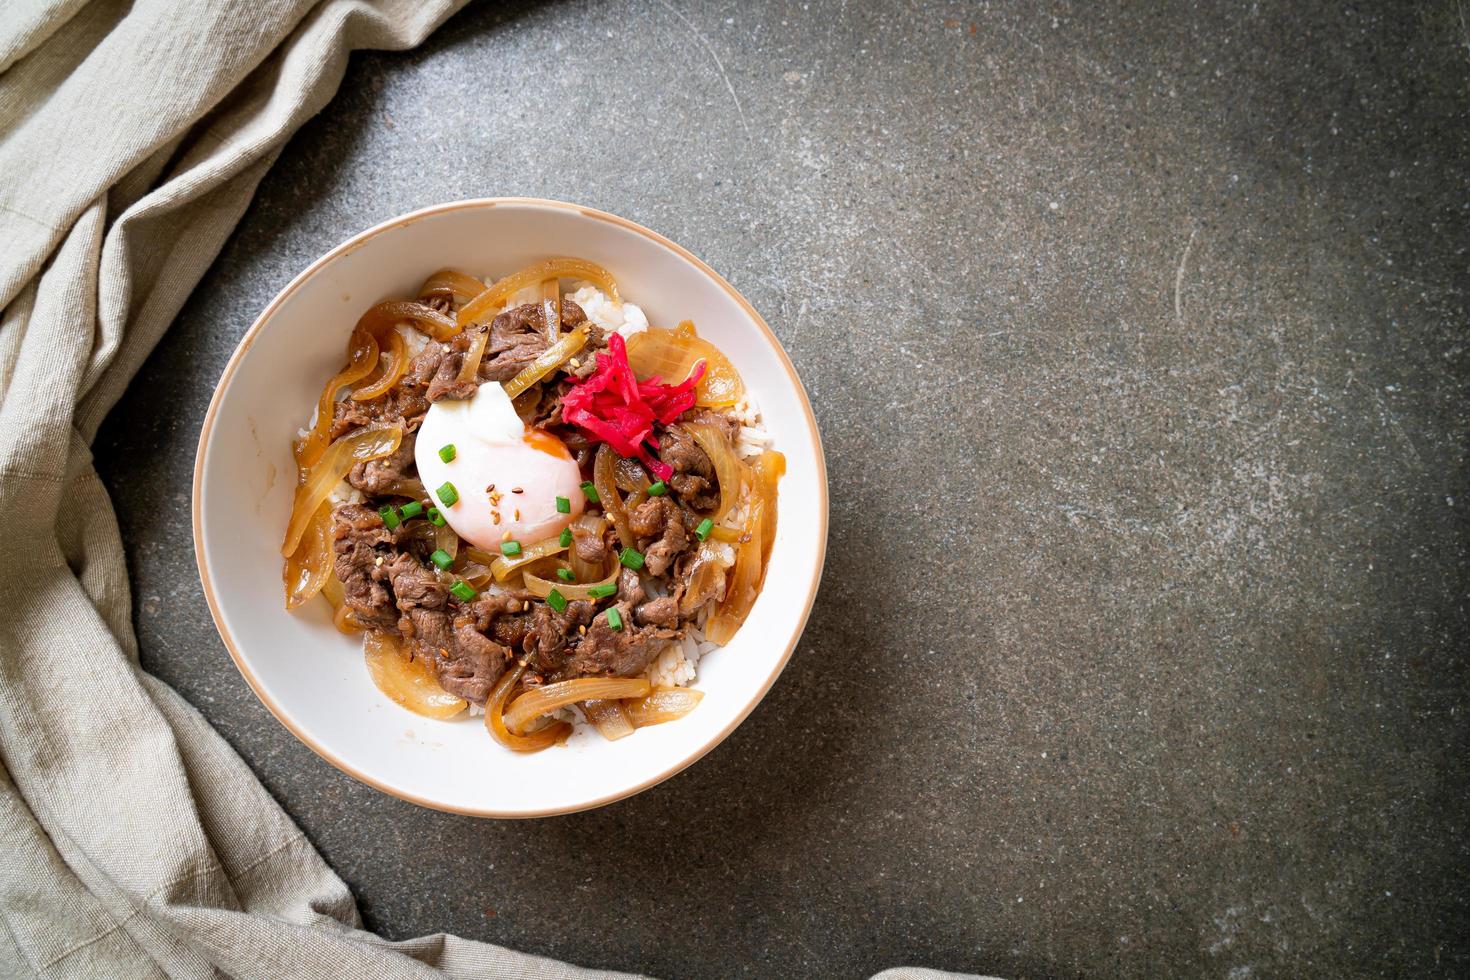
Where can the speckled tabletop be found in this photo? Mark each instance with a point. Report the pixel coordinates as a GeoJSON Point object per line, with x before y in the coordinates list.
{"type": "Point", "coordinates": [1137, 335]}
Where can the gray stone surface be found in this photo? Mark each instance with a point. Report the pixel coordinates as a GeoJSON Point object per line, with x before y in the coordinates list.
{"type": "Point", "coordinates": [1137, 336]}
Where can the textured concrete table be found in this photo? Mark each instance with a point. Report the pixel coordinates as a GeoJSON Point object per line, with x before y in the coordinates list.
{"type": "Point", "coordinates": [1138, 341]}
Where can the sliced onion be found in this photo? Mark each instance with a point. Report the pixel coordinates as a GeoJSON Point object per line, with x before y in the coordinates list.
{"type": "Point", "coordinates": [729, 470]}
{"type": "Point", "coordinates": [745, 578]}
{"type": "Point", "coordinates": [547, 361]}
{"type": "Point", "coordinates": [446, 540]}
{"type": "Point", "coordinates": [538, 586]}
{"type": "Point", "coordinates": [502, 567]}
{"type": "Point", "coordinates": [473, 356]}
{"type": "Point", "coordinates": [362, 357]}
{"type": "Point", "coordinates": [310, 565]}
{"type": "Point", "coordinates": [594, 525]}
{"type": "Point", "coordinates": [346, 622]}
{"type": "Point", "coordinates": [332, 588]}
{"type": "Point", "coordinates": [769, 469]}
{"type": "Point", "coordinates": [662, 704]}
{"type": "Point", "coordinates": [382, 317]}
{"type": "Point", "coordinates": [392, 371]}
{"type": "Point", "coordinates": [339, 458]}
{"type": "Point", "coordinates": [605, 481]}
{"type": "Point", "coordinates": [609, 718]}
{"type": "Point", "coordinates": [706, 579]}
{"type": "Point", "coordinates": [408, 681]}
{"type": "Point", "coordinates": [551, 309]}
{"type": "Point", "coordinates": [630, 475]}
{"type": "Point", "coordinates": [461, 285]}
{"type": "Point", "coordinates": [495, 721]}
{"type": "Point", "coordinates": [492, 298]}
{"type": "Point", "coordinates": [472, 554]}
{"type": "Point", "coordinates": [544, 700]}
{"type": "Point", "coordinates": [672, 355]}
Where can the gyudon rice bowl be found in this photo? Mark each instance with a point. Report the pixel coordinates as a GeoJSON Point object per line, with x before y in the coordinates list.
{"type": "Point", "coordinates": [532, 504]}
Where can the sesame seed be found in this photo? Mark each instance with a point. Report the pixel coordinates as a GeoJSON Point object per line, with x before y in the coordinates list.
{"type": "Point", "coordinates": [517, 490]}
{"type": "Point", "coordinates": [506, 535]}
{"type": "Point", "coordinates": [517, 514]}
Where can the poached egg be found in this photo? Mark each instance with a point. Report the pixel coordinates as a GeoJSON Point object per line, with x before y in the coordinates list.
{"type": "Point", "coordinates": [507, 475]}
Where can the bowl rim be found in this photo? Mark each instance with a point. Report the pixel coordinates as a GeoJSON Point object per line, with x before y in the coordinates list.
{"type": "Point", "coordinates": [355, 242]}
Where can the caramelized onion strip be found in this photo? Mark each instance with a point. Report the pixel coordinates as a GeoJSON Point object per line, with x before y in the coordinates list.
{"type": "Point", "coordinates": [473, 356]}
{"type": "Point", "coordinates": [392, 370]}
{"type": "Point", "coordinates": [495, 718]}
{"type": "Point", "coordinates": [407, 681]}
{"type": "Point", "coordinates": [463, 286]}
{"type": "Point", "coordinates": [538, 586]}
{"type": "Point", "coordinates": [544, 700]}
{"type": "Point", "coordinates": [604, 479]}
{"type": "Point", "coordinates": [594, 525]}
{"type": "Point", "coordinates": [339, 458]}
{"type": "Point", "coordinates": [492, 298]}
{"type": "Point", "coordinates": [547, 361]}
{"type": "Point", "coordinates": [309, 566]}
{"type": "Point", "coordinates": [662, 704]}
{"type": "Point", "coordinates": [503, 566]}
{"type": "Point", "coordinates": [728, 469]}
{"type": "Point", "coordinates": [362, 357]}
{"type": "Point", "coordinates": [610, 718]}
{"type": "Point", "coordinates": [382, 317]}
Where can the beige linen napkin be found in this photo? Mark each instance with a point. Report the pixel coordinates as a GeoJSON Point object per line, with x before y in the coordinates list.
{"type": "Point", "coordinates": [133, 841]}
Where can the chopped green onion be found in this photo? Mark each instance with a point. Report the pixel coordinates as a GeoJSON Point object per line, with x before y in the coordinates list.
{"type": "Point", "coordinates": [510, 548]}
{"type": "Point", "coordinates": [566, 537]}
{"type": "Point", "coordinates": [658, 489]}
{"type": "Point", "coordinates": [632, 559]}
{"type": "Point", "coordinates": [436, 518]}
{"type": "Point", "coordinates": [705, 527]}
{"type": "Point", "coordinates": [463, 590]}
{"type": "Point", "coordinates": [614, 618]}
{"type": "Point", "coordinates": [591, 492]}
{"type": "Point", "coordinates": [563, 505]}
{"type": "Point", "coordinates": [441, 558]}
{"type": "Point", "coordinates": [447, 453]}
{"type": "Point", "coordinates": [602, 591]}
{"type": "Point", "coordinates": [448, 494]}
{"type": "Point", "coordinates": [390, 516]}
{"type": "Point", "coordinates": [556, 600]}
{"type": "Point", "coordinates": [565, 574]}
{"type": "Point", "coordinates": [412, 509]}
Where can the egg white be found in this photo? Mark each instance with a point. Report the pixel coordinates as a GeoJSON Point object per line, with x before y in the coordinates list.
{"type": "Point", "coordinates": [493, 448]}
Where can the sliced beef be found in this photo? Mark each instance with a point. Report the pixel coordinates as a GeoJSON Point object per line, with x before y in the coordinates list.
{"type": "Point", "coordinates": [445, 382]}
{"type": "Point", "coordinates": [361, 545]}
{"type": "Point", "coordinates": [415, 584]}
{"type": "Point", "coordinates": [504, 616]}
{"type": "Point", "coordinates": [403, 405]}
{"type": "Point", "coordinates": [663, 611]}
{"type": "Point", "coordinates": [659, 524]}
{"type": "Point", "coordinates": [630, 587]}
{"type": "Point", "coordinates": [625, 652]}
{"type": "Point", "coordinates": [517, 337]}
{"type": "Point", "coordinates": [726, 425]}
{"type": "Point", "coordinates": [550, 631]}
{"type": "Point", "coordinates": [390, 474]}
{"type": "Point", "coordinates": [591, 548]}
{"type": "Point", "coordinates": [467, 662]}
{"type": "Point", "coordinates": [694, 479]}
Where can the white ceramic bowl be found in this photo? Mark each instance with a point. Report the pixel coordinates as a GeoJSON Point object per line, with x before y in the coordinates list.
{"type": "Point", "coordinates": [311, 677]}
